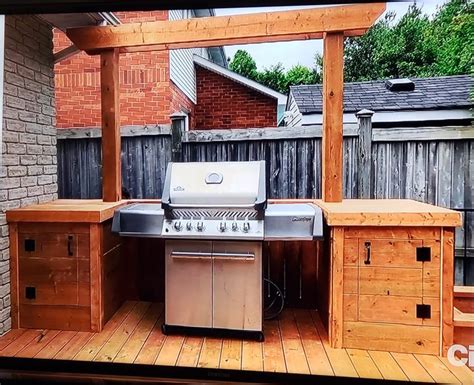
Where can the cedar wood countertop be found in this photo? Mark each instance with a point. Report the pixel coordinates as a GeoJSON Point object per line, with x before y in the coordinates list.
{"type": "Point", "coordinates": [349, 212]}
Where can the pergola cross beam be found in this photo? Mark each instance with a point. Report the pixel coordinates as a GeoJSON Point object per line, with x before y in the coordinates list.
{"type": "Point", "coordinates": [330, 23]}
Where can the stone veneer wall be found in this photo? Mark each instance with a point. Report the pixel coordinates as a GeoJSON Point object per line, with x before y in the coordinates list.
{"type": "Point", "coordinates": [28, 170]}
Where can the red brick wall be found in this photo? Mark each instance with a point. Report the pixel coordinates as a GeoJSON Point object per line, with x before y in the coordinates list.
{"type": "Point", "coordinates": [223, 103]}
{"type": "Point", "coordinates": [145, 94]}
{"type": "Point", "coordinates": [180, 102]}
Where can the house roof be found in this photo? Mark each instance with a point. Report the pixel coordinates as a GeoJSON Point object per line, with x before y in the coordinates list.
{"type": "Point", "coordinates": [446, 92]}
{"type": "Point", "coordinates": [281, 98]}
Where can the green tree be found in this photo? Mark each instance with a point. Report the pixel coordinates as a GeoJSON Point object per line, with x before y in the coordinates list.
{"type": "Point", "coordinates": [274, 77]}
{"type": "Point", "coordinates": [299, 74]}
{"type": "Point", "coordinates": [453, 32]}
{"type": "Point", "coordinates": [415, 45]}
{"type": "Point", "coordinates": [243, 64]}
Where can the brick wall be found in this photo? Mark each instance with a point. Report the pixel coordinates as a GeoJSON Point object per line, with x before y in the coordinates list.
{"type": "Point", "coordinates": [144, 83]}
{"type": "Point", "coordinates": [224, 103]}
{"type": "Point", "coordinates": [28, 170]}
{"type": "Point", "coordinates": [180, 102]}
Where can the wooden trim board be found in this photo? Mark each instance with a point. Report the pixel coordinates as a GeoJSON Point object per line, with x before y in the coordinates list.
{"type": "Point", "coordinates": [228, 30]}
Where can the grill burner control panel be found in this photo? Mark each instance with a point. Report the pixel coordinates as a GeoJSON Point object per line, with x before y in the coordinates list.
{"type": "Point", "coordinates": [213, 228]}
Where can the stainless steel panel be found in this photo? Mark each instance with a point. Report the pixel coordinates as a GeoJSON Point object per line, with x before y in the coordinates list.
{"type": "Point", "coordinates": [237, 285]}
{"type": "Point", "coordinates": [296, 221]}
{"type": "Point", "coordinates": [188, 283]}
{"type": "Point", "coordinates": [142, 219]}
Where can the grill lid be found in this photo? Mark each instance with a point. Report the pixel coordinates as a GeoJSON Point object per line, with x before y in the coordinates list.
{"type": "Point", "coordinates": [215, 184]}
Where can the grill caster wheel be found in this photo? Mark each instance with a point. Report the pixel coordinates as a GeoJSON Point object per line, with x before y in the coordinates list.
{"type": "Point", "coordinates": [260, 337]}
{"type": "Point", "coordinates": [164, 329]}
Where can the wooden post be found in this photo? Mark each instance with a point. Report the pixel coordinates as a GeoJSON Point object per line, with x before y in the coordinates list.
{"type": "Point", "coordinates": [364, 160]}
{"type": "Point", "coordinates": [333, 83]}
{"type": "Point", "coordinates": [178, 120]}
{"type": "Point", "coordinates": [111, 143]}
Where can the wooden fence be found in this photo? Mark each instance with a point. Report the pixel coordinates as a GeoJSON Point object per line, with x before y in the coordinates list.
{"type": "Point", "coordinates": [429, 164]}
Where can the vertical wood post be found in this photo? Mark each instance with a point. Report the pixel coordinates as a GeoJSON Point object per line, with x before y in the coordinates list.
{"type": "Point", "coordinates": [364, 159]}
{"type": "Point", "coordinates": [111, 143]}
{"type": "Point", "coordinates": [178, 120]}
{"type": "Point", "coordinates": [333, 84]}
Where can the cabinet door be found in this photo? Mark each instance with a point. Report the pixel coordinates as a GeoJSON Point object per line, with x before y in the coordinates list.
{"type": "Point", "coordinates": [48, 268]}
{"type": "Point", "coordinates": [237, 285]}
{"type": "Point", "coordinates": [188, 281]}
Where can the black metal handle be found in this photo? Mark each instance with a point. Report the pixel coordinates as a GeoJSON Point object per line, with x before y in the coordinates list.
{"type": "Point", "coordinates": [69, 245]}
{"type": "Point", "coordinates": [367, 253]}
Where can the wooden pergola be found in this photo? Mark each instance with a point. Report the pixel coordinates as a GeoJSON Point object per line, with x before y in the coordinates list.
{"type": "Point", "coordinates": [331, 24]}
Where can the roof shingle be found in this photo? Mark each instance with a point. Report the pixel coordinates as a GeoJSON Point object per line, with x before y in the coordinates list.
{"type": "Point", "coordinates": [430, 93]}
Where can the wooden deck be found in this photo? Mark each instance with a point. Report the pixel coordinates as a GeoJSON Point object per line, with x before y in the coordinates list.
{"type": "Point", "coordinates": [296, 343]}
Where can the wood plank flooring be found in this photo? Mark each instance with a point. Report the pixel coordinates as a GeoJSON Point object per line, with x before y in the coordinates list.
{"type": "Point", "coordinates": [295, 343]}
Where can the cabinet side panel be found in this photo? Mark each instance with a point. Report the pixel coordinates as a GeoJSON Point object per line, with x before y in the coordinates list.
{"type": "Point", "coordinates": [447, 293]}
{"type": "Point", "coordinates": [14, 275]}
{"type": "Point", "coordinates": [336, 297]}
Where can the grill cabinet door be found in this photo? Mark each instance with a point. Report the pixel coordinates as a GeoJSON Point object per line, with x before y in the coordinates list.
{"type": "Point", "coordinates": [237, 281]}
{"type": "Point", "coordinates": [188, 280]}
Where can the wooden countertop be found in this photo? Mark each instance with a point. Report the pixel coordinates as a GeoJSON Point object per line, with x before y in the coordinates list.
{"type": "Point", "coordinates": [387, 212]}
{"type": "Point", "coordinates": [66, 210]}
{"type": "Point", "coordinates": [349, 212]}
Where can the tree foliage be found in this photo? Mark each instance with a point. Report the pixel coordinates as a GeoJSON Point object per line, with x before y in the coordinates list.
{"type": "Point", "coordinates": [415, 45]}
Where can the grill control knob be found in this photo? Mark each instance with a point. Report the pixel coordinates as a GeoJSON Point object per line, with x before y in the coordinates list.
{"type": "Point", "coordinates": [178, 226]}
{"type": "Point", "coordinates": [246, 227]}
{"type": "Point", "coordinates": [235, 227]}
{"type": "Point", "coordinates": [189, 226]}
{"type": "Point", "coordinates": [222, 227]}
{"type": "Point", "coordinates": [200, 226]}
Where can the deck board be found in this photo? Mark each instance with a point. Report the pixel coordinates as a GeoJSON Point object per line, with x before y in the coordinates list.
{"type": "Point", "coordinates": [231, 355]}
{"type": "Point", "coordinates": [273, 356]}
{"type": "Point", "coordinates": [121, 335]}
{"type": "Point", "coordinates": [210, 355]}
{"type": "Point", "coordinates": [152, 346]}
{"type": "Point", "coordinates": [296, 343]}
{"type": "Point", "coordinates": [364, 364]}
{"type": "Point", "coordinates": [316, 356]}
{"type": "Point", "coordinates": [55, 344]}
{"type": "Point", "coordinates": [412, 368]}
{"type": "Point", "coordinates": [92, 347]}
{"type": "Point", "coordinates": [292, 346]}
{"type": "Point", "coordinates": [387, 366]}
{"type": "Point", "coordinates": [189, 354]}
{"type": "Point", "coordinates": [132, 347]}
{"type": "Point", "coordinates": [340, 362]}
{"type": "Point", "coordinates": [436, 369]}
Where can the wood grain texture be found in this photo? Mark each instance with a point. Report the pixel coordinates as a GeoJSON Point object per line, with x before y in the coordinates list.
{"type": "Point", "coordinates": [14, 276]}
{"type": "Point", "coordinates": [231, 354]}
{"type": "Point", "coordinates": [292, 346]}
{"type": "Point", "coordinates": [336, 301]}
{"type": "Point", "coordinates": [333, 82]}
{"type": "Point", "coordinates": [74, 345]}
{"type": "Point", "coordinates": [391, 337]}
{"type": "Point", "coordinates": [170, 351]}
{"type": "Point", "coordinates": [412, 367]}
{"type": "Point", "coordinates": [252, 356]}
{"type": "Point", "coordinates": [364, 364]}
{"type": "Point", "coordinates": [95, 261]}
{"type": "Point", "coordinates": [228, 30]}
{"type": "Point", "coordinates": [387, 212]}
{"type": "Point", "coordinates": [447, 290]}
{"type": "Point", "coordinates": [56, 344]}
{"type": "Point", "coordinates": [437, 369]}
{"type": "Point", "coordinates": [210, 353]}
{"type": "Point", "coordinates": [37, 344]}
{"type": "Point", "coordinates": [152, 346]}
{"type": "Point", "coordinates": [66, 210]}
{"type": "Point", "coordinates": [190, 351]}
{"type": "Point", "coordinates": [111, 142]}
{"type": "Point", "coordinates": [387, 366]}
{"type": "Point", "coordinates": [273, 356]}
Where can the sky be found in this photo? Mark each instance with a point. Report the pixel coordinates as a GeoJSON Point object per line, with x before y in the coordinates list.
{"type": "Point", "coordinates": [301, 52]}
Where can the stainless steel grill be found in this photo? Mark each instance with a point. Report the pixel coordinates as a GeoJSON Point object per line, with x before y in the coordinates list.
{"type": "Point", "coordinates": [215, 217]}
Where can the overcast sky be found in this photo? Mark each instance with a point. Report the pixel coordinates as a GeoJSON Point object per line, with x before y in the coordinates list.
{"type": "Point", "coordinates": [301, 52]}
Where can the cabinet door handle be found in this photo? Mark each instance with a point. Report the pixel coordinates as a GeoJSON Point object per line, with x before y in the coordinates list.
{"type": "Point", "coordinates": [69, 245]}
{"type": "Point", "coordinates": [367, 253]}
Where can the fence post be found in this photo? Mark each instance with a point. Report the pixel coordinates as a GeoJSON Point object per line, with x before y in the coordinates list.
{"type": "Point", "coordinates": [364, 160]}
{"type": "Point", "coordinates": [178, 120]}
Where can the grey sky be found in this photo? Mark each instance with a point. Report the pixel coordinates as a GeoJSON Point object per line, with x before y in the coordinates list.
{"type": "Point", "coordinates": [301, 52]}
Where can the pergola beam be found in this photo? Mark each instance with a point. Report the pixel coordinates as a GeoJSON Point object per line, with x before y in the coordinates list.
{"type": "Point", "coordinates": [229, 30]}
{"type": "Point", "coordinates": [111, 143]}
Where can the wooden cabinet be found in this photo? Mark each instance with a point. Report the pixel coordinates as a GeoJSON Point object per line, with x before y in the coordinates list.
{"type": "Point", "coordinates": [391, 291]}
{"type": "Point", "coordinates": [65, 276]}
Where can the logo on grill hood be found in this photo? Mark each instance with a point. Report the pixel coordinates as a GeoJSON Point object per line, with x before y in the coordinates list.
{"type": "Point", "coordinates": [301, 219]}
{"type": "Point", "coordinates": [178, 188]}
